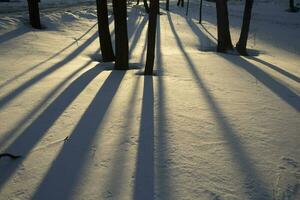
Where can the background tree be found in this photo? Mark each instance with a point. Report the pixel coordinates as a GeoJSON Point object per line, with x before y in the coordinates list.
{"type": "Point", "coordinates": [180, 2]}
{"type": "Point", "coordinates": [242, 43]}
{"type": "Point", "coordinates": [34, 13]}
{"type": "Point", "coordinates": [293, 8]}
{"type": "Point", "coordinates": [104, 33]}
{"type": "Point", "coordinates": [292, 4]}
{"type": "Point", "coordinates": [167, 4]}
{"type": "Point", "coordinates": [154, 9]}
{"type": "Point", "coordinates": [224, 38]}
{"type": "Point", "coordinates": [121, 35]}
{"type": "Point", "coordinates": [146, 6]}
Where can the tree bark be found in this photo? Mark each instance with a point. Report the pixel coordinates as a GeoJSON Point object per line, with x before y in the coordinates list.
{"type": "Point", "coordinates": [292, 5]}
{"type": "Point", "coordinates": [104, 33]}
{"type": "Point", "coordinates": [224, 38]}
{"type": "Point", "coordinates": [34, 13]}
{"type": "Point", "coordinates": [167, 5]}
{"type": "Point", "coordinates": [146, 6]}
{"type": "Point", "coordinates": [180, 2]}
{"type": "Point", "coordinates": [242, 43]}
{"type": "Point", "coordinates": [121, 35]}
{"type": "Point", "coordinates": [154, 9]}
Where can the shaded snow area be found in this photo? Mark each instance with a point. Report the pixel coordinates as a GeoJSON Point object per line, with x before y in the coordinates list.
{"type": "Point", "coordinates": [7, 6]}
{"type": "Point", "coordinates": [208, 126]}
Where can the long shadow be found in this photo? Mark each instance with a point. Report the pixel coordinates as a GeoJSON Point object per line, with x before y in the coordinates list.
{"type": "Point", "coordinates": [38, 128]}
{"type": "Point", "coordinates": [70, 161]}
{"type": "Point", "coordinates": [253, 182]}
{"type": "Point", "coordinates": [276, 68]}
{"type": "Point", "coordinates": [207, 31]}
{"type": "Point", "coordinates": [163, 184]}
{"type": "Point", "coordinates": [137, 35]}
{"type": "Point", "coordinates": [46, 60]}
{"type": "Point", "coordinates": [13, 34]}
{"type": "Point", "coordinates": [10, 134]}
{"type": "Point", "coordinates": [144, 174]}
{"type": "Point", "coordinates": [13, 94]}
{"type": "Point", "coordinates": [280, 90]}
{"type": "Point", "coordinates": [118, 166]}
{"type": "Point", "coordinates": [276, 87]}
{"type": "Point", "coordinates": [202, 37]}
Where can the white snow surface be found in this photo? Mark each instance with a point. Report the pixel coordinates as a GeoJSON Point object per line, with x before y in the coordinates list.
{"type": "Point", "coordinates": [207, 126]}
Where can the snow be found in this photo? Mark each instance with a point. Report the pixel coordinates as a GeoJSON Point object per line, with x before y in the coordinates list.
{"type": "Point", "coordinates": [207, 126]}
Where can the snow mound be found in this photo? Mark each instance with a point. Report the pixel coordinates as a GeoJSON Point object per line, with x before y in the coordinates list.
{"type": "Point", "coordinates": [69, 17]}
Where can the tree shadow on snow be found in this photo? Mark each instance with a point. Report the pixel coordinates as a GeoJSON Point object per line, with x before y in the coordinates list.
{"type": "Point", "coordinates": [276, 68]}
{"type": "Point", "coordinates": [279, 89]}
{"type": "Point", "coordinates": [24, 143]}
{"type": "Point", "coordinates": [16, 92]}
{"type": "Point", "coordinates": [71, 159]}
{"type": "Point", "coordinates": [162, 146]}
{"type": "Point", "coordinates": [46, 60]}
{"type": "Point", "coordinates": [282, 91]}
{"type": "Point", "coordinates": [253, 182]}
{"type": "Point", "coordinates": [21, 123]}
{"type": "Point", "coordinates": [118, 166]}
{"type": "Point", "coordinates": [13, 34]}
{"type": "Point", "coordinates": [144, 174]}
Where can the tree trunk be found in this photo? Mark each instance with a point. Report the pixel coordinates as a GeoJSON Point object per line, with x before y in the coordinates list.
{"type": "Point", "coordinates": [146, 6]}
{"type": "Point", "coordinates": [121, 35]}
{"type": "Point", "coordinates": [154, 9]}
{"type": "Point", "coordinates": [104, 33]}
{"type": "Point", "coordinates": [167, 5]}
{"type": "Point", "coordinates": [292, 5]}
{"type": "Point", "coordinates": [242, 43]}
{"type": "Point", "coordinates": [224, 38]}
{"type": "Point", "coordinates": [34, 13]}
{"type": "Point", "coordinates": [180, 2]}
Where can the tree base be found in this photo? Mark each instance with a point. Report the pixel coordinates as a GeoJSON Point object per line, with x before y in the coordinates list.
{"type": "Point", "coordinates": [242, 51]}
{"type": "Point", "coordinates": [108, 59]}
{"type": "Point", "coordinates": [224, 50]}
{"type": "Point", "coordinates": [293, 10]}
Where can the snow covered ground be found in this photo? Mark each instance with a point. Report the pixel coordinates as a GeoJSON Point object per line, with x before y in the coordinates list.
{"type": "Point", "coordinates": [208, 126]}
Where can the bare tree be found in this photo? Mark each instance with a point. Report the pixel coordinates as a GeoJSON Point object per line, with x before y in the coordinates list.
{"type": "Point", "coordinates": [224, 38]}
{"type": "Point", "coordinates": [34, 13]}
{"type": "Point", "coordinates": [180, 2]}
{"type": "Point", "coordinates": [293, 8]}
{"type": "Point", "coordinates": [242, 43]}
{"type": "Point", "coordinates": [121, 43]}
{"type": "Point", "coordinates": [104, 33]}
{"type": "Point", "coordinates": [167, 4]}
{"type": "Point", "coordinates": [146, 6]}
{"type": "Point", "coordinates": [154, 10]}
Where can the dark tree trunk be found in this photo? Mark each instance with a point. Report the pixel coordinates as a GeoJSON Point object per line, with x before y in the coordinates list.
{"type": "Point", "coordinates": [180, 2]}
{"type": "Point", "coordinates": [242, 43]}
{"type": "Point", "coordinates": [292, 5]}
{"type": "Point", "coordinates": [146, 6]}
{"type": "Point", "coordinates": [34, 13]}
{"type": "Point", "coordinates": [200, 12]}
{"type": "Point", "coordinates": [167, 4]}
{"type": "Point", "coordinates": [154, 9]}
{"type": "Point", "coordinates": [293, 8]}
{"type": "Point", "coordinates": [120, 16]}
{"type": "Point", "coordinates": [104, 33]}
{"type": "Point", "coordinates": [224, 38]}
{"type": "Point", "coordinates": [137, 2]}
